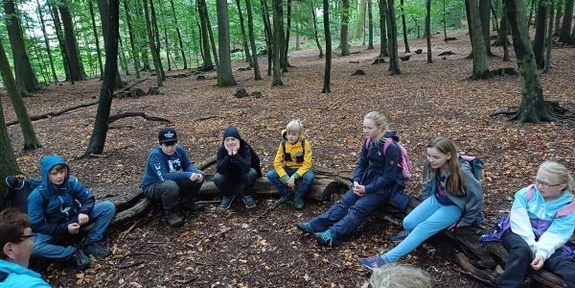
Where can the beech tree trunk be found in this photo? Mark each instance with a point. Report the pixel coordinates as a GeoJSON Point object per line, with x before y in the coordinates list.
{"type": "Point", "coordinates": [480, 67]}
{"type": "Point", "coordinates": [255, 62]}
{"type": "Point", "coordinates": [74, 62]}
{"type": "Point", "coordinates": [383, 52]}
{"type": "Point", "coordinates": [276, 44]}
{"type": "Point", "coordinates": [539, 41]}
{"type": "Point", "coordinates": [428, 29]}
{"type": "Point", "coordinates": [404, 27]}
{"type": "Point", "coordinates": [344, 30]}
{"type": "Point", "coordinates": [369, 25]}
{"type": "Point", "coordinates": [392, 36]}
{"type": "Point", "coordinates": [564, 34]}
{"type": "Point", "coordinates": [225, 76]}
{"type": "Point", "coordinates": [327, 71]}
{"type": "Point", "coordinates": [203, 15]}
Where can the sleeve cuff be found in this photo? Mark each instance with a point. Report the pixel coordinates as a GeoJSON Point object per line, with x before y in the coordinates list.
{"type": "Point", "coordinates": [296, 176]}
{"type": "Point", "coordinates": [285, 178]}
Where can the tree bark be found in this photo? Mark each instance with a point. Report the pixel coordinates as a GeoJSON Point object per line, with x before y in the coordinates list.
{"type": "Point", "coordinates": [152, 45]}
{"type": "Point", "coordinates": [370, 25]}
{"type": "Point", "coordinates": [428, 29]}
{"type": "Point", "coordinates": [98, 138]}
{"type": "Point", "coordinates": [344, 30]}
{"type": "Point", "coordinates": [315, 33]}
{"type": "Point", "coordinates": [484, 13]}
{"type": "Point", "coordinates": [179, 35]}
{"type": "Point", "coordinates": [269, 34]}
{"type": "Point", "coordinates": [135, 52]}
{"type": "Point", "coordinates": [404, 27]}
{"type": "Point", "coordinates": [327, 33]}
{"type": "Point", "coordinates": [31, 142]}
{"type": "Point", "coordinates": [539, 41]}
{"type": "Point", "coordinates": [244, 36]}
{"type": "Point", "coordinates": [255, 62]}
{"type": "Point", "coordinates": [549, 40]}
{"type": "Point", "coordinates": [383, 51]}
{"type": "Point", "coordinates": [25, 75]}
{"type": "Point", "coordinates": [203, 15]}
{"type": "Point", "coordinates": [564, 34]}
{"type": "Point", "coordinates": [276, 44]}
{"type": "Point", "coordinates": [46, 42]}
{"type": "Point", "coordinates": [95, 31]}
{"type": "Point", "coordinates": [156, 31]}
{"type": "Point", "coordinates": [532, 107]}
{"type": "Point", "coordinates": [225, 76]}
{"type": "Point", "coordinates": [74, 62]}
{"type": "Point", "coordinates": [480, 67]}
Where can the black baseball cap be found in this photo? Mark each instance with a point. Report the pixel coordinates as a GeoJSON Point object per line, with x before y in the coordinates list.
{"type": "Point", "coordinates": [167, 135]}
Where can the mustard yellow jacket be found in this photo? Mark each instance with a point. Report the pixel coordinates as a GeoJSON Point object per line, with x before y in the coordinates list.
{"type": "Point", "coordinates": [294, 150]}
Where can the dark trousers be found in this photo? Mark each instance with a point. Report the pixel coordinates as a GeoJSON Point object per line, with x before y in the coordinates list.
{"type": "Point", "coordinates": [519, 260]}
{"type": "Point", "coordinates": [227, 183]}
{"type": "Point", "coordinates": [169, 192]}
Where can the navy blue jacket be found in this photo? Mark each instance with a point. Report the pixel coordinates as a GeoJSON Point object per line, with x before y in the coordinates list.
{"type": "Point", "coordinates": [161, 167]}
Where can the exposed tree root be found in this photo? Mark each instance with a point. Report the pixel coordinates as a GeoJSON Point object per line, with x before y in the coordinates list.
{"type": "Point", "coordinates": [136, 114]}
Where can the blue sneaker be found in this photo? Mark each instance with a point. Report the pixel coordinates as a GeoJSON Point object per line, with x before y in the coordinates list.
{"type": "Point", "coordinates": [398, 237]}
{"type": "Point", "coordinates": [305, 227]}
{"type": "Point", "coordinates": [249, 201]}
{"type": "Point", "coordinates": [374, 262]}
{"type": "Point", "coordinates": [226, 203]}
{"type": "Point", "coordinates": [324, 238]}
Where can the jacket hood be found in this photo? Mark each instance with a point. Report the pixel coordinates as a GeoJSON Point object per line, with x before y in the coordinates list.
{"type": "Point", "coordinates": [46, 164]}
{"type": "Point", "coordinates": [232, 131]}
{"type": "Point", "coordinates": [392, 134]}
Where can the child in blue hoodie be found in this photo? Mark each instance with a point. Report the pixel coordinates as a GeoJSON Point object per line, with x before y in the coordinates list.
{"type": "Point", "coordinates": [59, 208]}
{"type": "Point", "coordinates": [377, 177]}
{"type": "Point", "coordinates": [537, 229]}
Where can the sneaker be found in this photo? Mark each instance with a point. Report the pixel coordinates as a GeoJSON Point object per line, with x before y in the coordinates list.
{"type": "Point", "coordinates": [374, 262]}
{"type": "Point", "coordinates": [324, 238]}
{"type": "Point", "coordinates": [226, 203]}
{"type": "Point", "coordinates": [297, 202]}
{"type": "Point", "coordinates": [97, 250]}
{"type": "Point", "coordinates": [283, 200]}
{"type": "Point", "coordinates": [398, 237]}
{"type": "Point", "coordinates": [249, 201]}
{"type": "Point", "coordinates": [305, 227]}
{"type": "Point", "coordinates": [82, 261]}
{"type": "Point", "coordinates": [175, 220]}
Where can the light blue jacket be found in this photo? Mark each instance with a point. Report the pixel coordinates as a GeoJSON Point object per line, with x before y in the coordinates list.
{"type": "Point", "coordinates": [20, 276]}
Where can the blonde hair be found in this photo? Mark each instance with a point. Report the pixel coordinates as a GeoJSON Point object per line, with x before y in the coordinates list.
{"type": "Point", "coordinates": [446, 146]}
{"type": "Point", "coordinates": [294, 126]}
{"type": "Point", "coordinates": [379, 119]}
{"type": "Point", "coordinates": [561, 172]}
{"type": "Point", "coordinates": [399, 276]}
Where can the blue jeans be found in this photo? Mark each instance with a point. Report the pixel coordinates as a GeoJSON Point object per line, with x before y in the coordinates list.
{"type": "Point", "coordinates": [427, 219]}
{"type": "Point", "coordinates": [520, 257]}
{"type": "Point", "coordinates": [169, 192]}
{"type": "Point", "coordinates": [226, 183]}
{"type": "Point", "coordinates": [302, 188]}
{"type": "Point", "coordinates": [348, 213]}
{"type": "Point", "coordinates": [46, 246]}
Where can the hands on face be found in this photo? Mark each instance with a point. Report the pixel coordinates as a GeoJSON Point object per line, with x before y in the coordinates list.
{"type": "Point", "coordinates": [232, 148]}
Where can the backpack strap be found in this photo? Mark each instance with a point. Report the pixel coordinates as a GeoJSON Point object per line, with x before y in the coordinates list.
{"type": "Point", "coordinates": [529, 194]}
{"type": "Point", "coordinates": [388, 141]}
{"type": "Point", "coordinates": [302, 145]}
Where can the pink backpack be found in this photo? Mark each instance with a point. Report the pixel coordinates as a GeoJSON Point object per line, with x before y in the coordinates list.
{"type": "Point", "coordinates": [404, 161]}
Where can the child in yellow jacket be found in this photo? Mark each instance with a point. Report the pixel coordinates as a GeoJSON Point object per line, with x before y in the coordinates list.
{"type": "Point", "coordinates": [293, 161]}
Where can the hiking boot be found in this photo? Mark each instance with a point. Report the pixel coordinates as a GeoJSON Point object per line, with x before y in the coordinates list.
{"type": "Point", "coordinates": [398, 237]}
{"type": "Point", "coordinates": [175, 220]}
{"type": "Point", "coordinates": [80, 259]}
{"type": "Point", "coordinates": [374, 262]}
{"type": "Point", "coordinates": [226, 203]}
{"type": "Point", "coordinates": [282, 201]}
{"type": "Point", "coordinates": [97, 250]}
{"type": "Point", "coordinates": [190, 205]}
{"type": "Point", "coordinates": [297, 202]}
{"type": "Point", "coordinates": [249, 201]}
{"type": "Point", "coordinates": [305, 227]}
{"type": "Point", "coordinates": [324, 238]}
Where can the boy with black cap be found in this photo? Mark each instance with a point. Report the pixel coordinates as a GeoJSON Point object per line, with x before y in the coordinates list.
{"type": "Point", "coordinates": [171, 175]}
{"type": "Point", "coordinates": [234, 166]}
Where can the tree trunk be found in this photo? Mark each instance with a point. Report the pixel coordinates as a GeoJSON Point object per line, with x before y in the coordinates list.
{"type": "Point", "coordinates": [105, 17]}
{"type": "Point", "coordinates": [404, 27]}
{"type": "Point", "coordinates": [30, 140]}
{"type": "Point", "coordinates": [95, 31]}
{"type": "Point", "coordinates": [480, 67]}
{"type": "Point", "coordinates": [244, 37]}
{"type": "Point", "coordinates": [558, 17]}
{"type": "Point", "coordinates": [360, 24]}
{"type": "Point", "coordinates": [392, 36]}
{"type": "Point", "coordinates": [179, 35]}
{"type": "Point", "coordinates": [370, 25]}
{"type": "Point", "coordinates": [502, 32]}
{"type": "Point", "coordinates": [269, 35]}
{"type": "Point", "coordinates": [255, 62]}
{"type": "Point", "coordinates": [315, 33]}
{"type": "Point", "coordinates": [8, 164]}
{"type": "Point", "coordinates": [549, 44]}
{"type": "Point", "coordinates": [276, 46]}
{"type": "Point", "coordinates": [285, 49]}
{"type": "Point", "coordinates": [141, 36]}
{"type": "Point", "coordinates": [428, 29]}
{"type": "Point", "coordinates": [327, 32]}
{"type": "Point", "coordinates": [153, 48]}
{"type": "Point", "coordinates": [213, 41]}
{"type": "Point", "coordinates": [484, 13]}
{"type": "Point", "coordinates": [532, 107]}
{"type": "Point", "coordinates": [539, 41]}
{"type": "Point", "coordinates": [203, 15]}
{"type": "Point", "coordinates": [98, 138]}
{"type": "Point", "coordinates": [343, 43]}
{"type": "Point", "coordinates": [383, 51]}
{"type": "Point", "coordinates": [225, 76]}
{"type": "Point", "coordinates": [133, 45]}
{"type": "Point", "coordinates": [156, 32]}
{"type": "Point", "coordinates": [564, 35]}
{"type": "Point", "coordinates": [46, 42]}
{"type": "Point", "coordinates": [25, 76]}
{"type": "Point", "coordinates": [61, 41]}
{"type": "Point", "coordinates": [75, 64]}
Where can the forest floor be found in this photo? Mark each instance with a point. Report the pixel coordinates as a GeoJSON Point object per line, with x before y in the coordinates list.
{"type": "Point", "coordinates": [240, 248]}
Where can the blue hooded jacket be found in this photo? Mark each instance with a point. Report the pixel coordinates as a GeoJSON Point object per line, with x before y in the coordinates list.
{"type": "Point", "coordinates": [50, 207]}
{"type": "Point", "coordinates": [20, 276]}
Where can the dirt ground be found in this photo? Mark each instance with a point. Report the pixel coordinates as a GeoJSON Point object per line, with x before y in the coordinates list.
{"type": "Point", "coordinates": [262, 248]}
